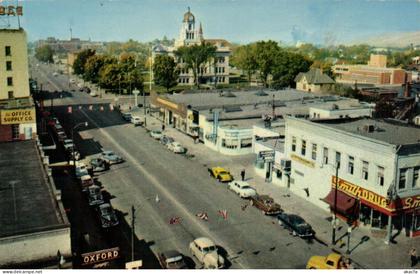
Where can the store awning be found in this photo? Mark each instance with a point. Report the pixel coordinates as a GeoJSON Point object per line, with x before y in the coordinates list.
{"type": "Point", "coordinates": [344, 202]}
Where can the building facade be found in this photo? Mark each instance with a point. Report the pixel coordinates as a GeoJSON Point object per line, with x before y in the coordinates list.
{"type": "Point", "coordinates": [375, 73]}
{"type": "Point", "coordinates": [377, 175]}
{"type": "Point", "coordinates": [314, 81]}
{"type": "Point", "coordinates": [213, 72]}
{"type": "Point", "coordinates": [17, 111]}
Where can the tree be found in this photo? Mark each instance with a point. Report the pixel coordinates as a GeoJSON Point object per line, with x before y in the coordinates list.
{"type": "Point", "coordinates": [286, 66]}
{"type": "Point", "coordinates": [93, 66]}
{"type": "Point", "coordinates": [44, 54]}
{"type": "Point", "coordinates": [265, 53]}
{"type": "Point", "coordinates": [165, 71]}
{"type": "Point", "coordinates": [109, 77]}
{"type": "Point", "coordinates": [195, 57]}
{"type": "Point", "coordinates": [80, 61]}
{"type": "Point", "coordinates": [244, 57]}
{"type": "Point", "coordinates": [326, 67]}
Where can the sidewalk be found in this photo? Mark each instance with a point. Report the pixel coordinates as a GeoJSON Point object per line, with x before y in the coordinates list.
{"type": "Point", "coordinates": [371, 253]}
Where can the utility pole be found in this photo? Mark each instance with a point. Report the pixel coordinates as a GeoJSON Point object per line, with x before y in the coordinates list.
{"type": "Point", "coordinates": [132, 232]}
{"type": "Point", "coordinates": [274, 109]}
{"type": "Point", "coordinates": [337, 166]}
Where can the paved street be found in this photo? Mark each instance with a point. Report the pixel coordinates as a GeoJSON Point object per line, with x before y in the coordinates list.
{"type": "Point", "coordinates": [249, 239]}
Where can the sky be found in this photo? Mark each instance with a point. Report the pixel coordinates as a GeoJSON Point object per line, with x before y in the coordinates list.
{"type": "Point", "coordinates": [241, 21]}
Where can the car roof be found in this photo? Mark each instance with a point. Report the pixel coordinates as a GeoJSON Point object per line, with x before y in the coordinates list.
{"type": "Point", "coordinates": [94, 186]}
{"type": "Point", "coordinates": [334, 256]}
{"type": "Point", "coordinates": [204, 242]}
{"type": "Point", "coordinates": [241, 183]}
{"type": "Point", "coordinates": [107, 151]}
{"type": "Point", "coordinates": [85, 177]}
{"type": "Point", "coordinates": [104, 205]}
{"type": "Point", "coordinates": [171, 253]}
{"type": "Point", "coordinates": [135, 117]}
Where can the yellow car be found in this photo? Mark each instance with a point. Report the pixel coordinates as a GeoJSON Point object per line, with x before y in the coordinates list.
{"type": "Point", "coordinates": [220, 174]}
{"type": "Point", "coordinates": [331, 261]}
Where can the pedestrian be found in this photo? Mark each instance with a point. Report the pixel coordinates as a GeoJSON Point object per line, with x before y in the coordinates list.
{"type": "Point", "coordinates": [163, 127]}
{"type": "Point", "coordinates": [413, 256]}
{"type": "Point", "coordinates": [243, 174]}
{"type": "Point", "coordinates": [348, 264]}
{"type": "Point", "coordinates": [341, 265]}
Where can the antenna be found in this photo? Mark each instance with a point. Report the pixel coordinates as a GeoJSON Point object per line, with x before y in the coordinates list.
{"type": "Point", "coordinates": [71, 33]}
{"type": "Point", "coordinates": [17, 4]}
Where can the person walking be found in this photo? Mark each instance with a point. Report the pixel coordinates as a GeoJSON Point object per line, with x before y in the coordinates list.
{"type": "Point", "coordinates": [163, 127]}
{"type": "Point", "coordinates": [243, 174]}
{"type": "Point", "coordinates": [413, 256]}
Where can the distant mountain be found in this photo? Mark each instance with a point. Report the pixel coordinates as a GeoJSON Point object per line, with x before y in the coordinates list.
{"type": "Point", "coordinates": [397, 39]}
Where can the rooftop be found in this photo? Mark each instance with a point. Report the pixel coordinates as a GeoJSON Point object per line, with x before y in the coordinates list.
{"type": "Point", "coordinates": [389, 131]}
{"type": "Point", "coordinates": [315, 76]}
{"type": "Point", "coordinates": [36, 209]}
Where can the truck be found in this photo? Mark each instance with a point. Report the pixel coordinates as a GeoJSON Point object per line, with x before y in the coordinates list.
{"type": "Point", "coordinates": [332, 261]}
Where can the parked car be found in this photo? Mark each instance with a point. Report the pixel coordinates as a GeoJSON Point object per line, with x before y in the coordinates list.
{"type": "Point", "coordinates": [243, 189]}
{"type": "Point", "coordinates": [99, 165]}
{"type": "Point", "coordinates": [95, 195]}
{"type": "Point", "coordinates": [107, 215]}
{"type": "Point", "coordinates": [266, 204]}
{"type": "Point", "coordinates": [136, 120]}
{"type": "Point", "coordinates": [176, 147]}
{"type": "Point", "coordinates": [332, 261]}
{"type": "Point", "coordinates": [81, 170]}
{"type": "Point", "coordinates": [126, 116]}
{"type": "Point", "coordinates": [61, 136]}
{"type": "Point", "coordinates": [296, 224]}
{"type": "Point", "coordinates": [172, 259]}
{"type": "Point", "coordinates": [206, 253]}
{"type": "Point", "coordinates": [53, 121]}
{"type": "Point", "coordinates": [220, 174]}
{"type": "Point", "coordinates": [166, 140]}
{"type": "Point", "coordinates": [110, 157]}
{"type": "Point", "coordinates": [85, 182]}
{"type": "Point", "coordinates": [68, 144]}
{"type": "Point", "coordinates": [58, 127]}
{"type": "Point", "coordinates": [156, 134]}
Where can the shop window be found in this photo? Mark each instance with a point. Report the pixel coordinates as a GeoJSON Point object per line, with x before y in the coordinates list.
{"type": "Point", "coordinates": [303, 148]}
{"type": "Point", "coordinates": [9, 65]}
{"type": "Point", "coordinates": [10, 94]}
{"type": "Point", "coordinates": [8, 51]}
{"type": "Point", "coordinates": [293, 143]}
{"type": "Point", "coordinates": [337, 159]}
{"type": "Point", "coordinates": [325, 156]}
{"type": "Point", "coordinates": [15, 132]}
{"type": "Point", "coordinates": [365, 170]}
{"type": "Point", "coordinates": [381, 178]}
{"type": "Point", "coordinates": [402, 179]}
{"type": "Point", "coordinates": [314, 150]}
{"type": "Point", "coordinates": [350, 168]}
{"type": "Point", "coordinates": [416, 179]}
{"type": "Point", "coordinates": [246, 142]}
{"type": "Point", "coordinates": [10, 81]}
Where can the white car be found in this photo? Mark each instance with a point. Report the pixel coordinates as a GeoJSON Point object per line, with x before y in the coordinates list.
{"type": "Point", "coordinates": [243, 189]}
{"type": "Point", "coordinates": [136, 120]}
{"type": "Point", "coordinates": [206, 253]}
{"type": "Point", "coordinates": [81, 170]}
{"type": "Point", "coordinates": [68, 144]}
{"type": "Point", "coordinates": [156, 134]}
{"type": "Point", "coordinates": [176, 147]}
{"type": "Point", "coordinates": [110, 157]}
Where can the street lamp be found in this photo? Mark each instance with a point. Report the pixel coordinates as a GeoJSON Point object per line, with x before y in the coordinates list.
{"type": "Point", "coordinates": [348, 239]}
{"type": "Point", "coordinates": [72, 139]}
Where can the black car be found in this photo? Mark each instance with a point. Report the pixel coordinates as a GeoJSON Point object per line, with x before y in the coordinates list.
{"type": "Point", "coordinates": [99, 165]}
{"type": "Point", "coordinates": [166, 140]}
{"type": "Point", "coordinates": [296, 224]}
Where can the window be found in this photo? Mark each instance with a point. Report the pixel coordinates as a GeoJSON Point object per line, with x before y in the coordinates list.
{"type": "Point", "coordinates": [338, 159]}
{"type": "Point", "coordinates": [314, 149]}
{"type": "Point", "coordinates": [10, 94]}
{"type": "Point", "coordinates": [416, 180]}
{"type": "Point", "coordinates": [293, 143]}
{"type": "Point", "coordinates": [325, 156]}
{"type": "Point", "coordinates": [9, 65]}
{"type": "Point", "coordinates": [381, 178]}
{"type": "Point", "coordinates": [15, 132]}
{"type": "Point", "coordinates": [303, 148]}
{"type": "Point", "coordinates": [10, 81]}
{"type": "Point", "coordinates": [350, 168]}
{"type": "Point", "coordinates": [246, 142]}
{"type": "Point", "coordinates": [365, 170]}
{"type": "Point", "coordinates": [7, 50]}
{"type": "Point", "coordinates": [403, 178]}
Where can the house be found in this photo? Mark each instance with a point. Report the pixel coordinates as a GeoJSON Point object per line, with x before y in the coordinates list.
{"type": "Point", "coordinates": [314, 81]}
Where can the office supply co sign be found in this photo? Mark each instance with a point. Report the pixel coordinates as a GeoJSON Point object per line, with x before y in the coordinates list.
{"type": "Point", "coordinates": [100, 256]}
{"type": "Point", "coordinates": [17, 116]}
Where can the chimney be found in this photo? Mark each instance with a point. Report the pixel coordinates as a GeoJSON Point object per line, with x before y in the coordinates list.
{"type": "Point", "coordinates": [407, 93]}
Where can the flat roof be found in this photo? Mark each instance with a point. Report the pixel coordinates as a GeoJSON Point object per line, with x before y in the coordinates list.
{"type": "Point", "coordinates": [36, 209]}
{"type": "Point", "coordinates": [389, 131]}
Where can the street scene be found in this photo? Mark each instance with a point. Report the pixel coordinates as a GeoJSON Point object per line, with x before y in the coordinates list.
{"type": "Point", "coordinates": [203, 153]}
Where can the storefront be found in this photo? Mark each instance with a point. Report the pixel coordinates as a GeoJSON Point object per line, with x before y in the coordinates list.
{"type": "Point", "coordinates": [360, 206]}
{"type": "Point", "coordinates": [17, 124]}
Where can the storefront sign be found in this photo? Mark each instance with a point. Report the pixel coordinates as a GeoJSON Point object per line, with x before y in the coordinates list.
{"type": "Point", "coordinates": [362, 194]}
{"type": "Point", "coordinates": [302, 161]}
{"type": "Point", "coordinates": [100, 256]}
{"type": "Point", "coordinates": [11, 10]}
{"type": "Point", "coordinates": [18, 116]}
{"type": "Point", "coordinates": [167, 103]}
{"type": "Point", "coordinates": [411, 202]}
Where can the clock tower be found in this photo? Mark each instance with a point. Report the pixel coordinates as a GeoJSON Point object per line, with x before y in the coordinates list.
{"type": "Point", "coordinates": [189, 34]}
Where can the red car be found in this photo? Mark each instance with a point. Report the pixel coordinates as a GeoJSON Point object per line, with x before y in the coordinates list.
{"type": "Point", "coordinates": [266, 204]}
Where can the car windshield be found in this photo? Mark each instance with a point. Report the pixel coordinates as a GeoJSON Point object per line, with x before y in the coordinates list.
{"type": "Point", "coordinates": [106, 210]}
{"type": "Point", "coordinates": [223, 172]}
{"type": "Point", "coordinates": [209, 249]}
{"type": "Point", "coordinates": [246, 187]}
{"type": "Point", "coordinates": [297, 220]}
{"type": "Point", "coordinates": [174, 259]}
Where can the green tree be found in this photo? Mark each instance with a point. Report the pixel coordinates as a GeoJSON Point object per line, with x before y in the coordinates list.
{"type": "Point", "coordinates": [93, 66]}
{"type": "Point", "coordinates": [286, 66]}
{"type": "Point", "coordinates": [195, 57]}
{"type": "Point", "coordinates": [165, 71]}
{"type": "Point", "coordinates": [110, 77]}
{"type": "Point", "coordinates": [325, 67]}
{"type": "Point", "coordinates": [265, 53]}
{"type": "Point", "coordinates": [44, 54]}
{"type": "Point", "coordinates": [244, 57]}
{"type": "Point", "coordinates": [80, 61]}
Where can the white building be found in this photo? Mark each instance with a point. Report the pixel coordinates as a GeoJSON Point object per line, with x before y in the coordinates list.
{"type": "Point", "coordinates": [378, 176]}
{"type": "Point", "coordinates": [336, 112]}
